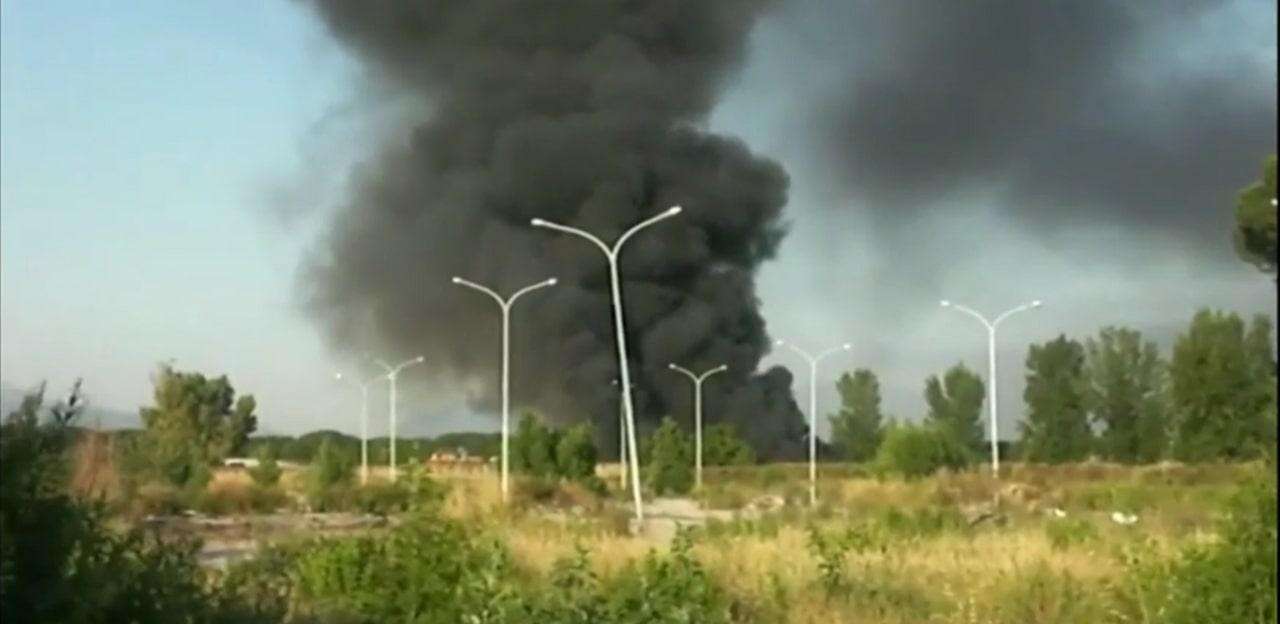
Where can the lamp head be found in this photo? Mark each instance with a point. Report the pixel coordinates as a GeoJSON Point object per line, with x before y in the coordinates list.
{"type": "Point", "coordinates": [846, 346]}
{"type": "Point", "coordinates": [337, 375]}
{"type": "Point", "coordinates": [722, 367]}
{"type": "Point", "coordinates": [552, 282]}
{"type": "Point", "coordinates": [420, 359]}
{"type": "Point", "coordinates": [671, 366]}
{"type": "Point", "coordinates": [674, 210]}
{"type": "Point", "coordinates": [536, 222]}
{"type": "Point", "coordinates": [778, 343]}
{"type": "Point", "coordinates": [1037, 303]}
{"type": "Point", "coordinates": [945, 303]}
{"type": "Point", "coordinates": [456, 280]}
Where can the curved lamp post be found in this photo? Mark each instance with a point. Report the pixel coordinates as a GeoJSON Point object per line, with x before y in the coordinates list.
{"type": "Point", "coordinates": [392, 373]}
{"type": "Point", "coordinates": [697, 413]}
{"type": "Point", "coordinates": [364, 420]}
{"type": "Point", "coordinates": [813, 408]}
{"type": "Point", "coordinates": [991, 366]}
{"type": "Point", "coordinates": [615, 288]}
{"type": "Point", "coordinates": [505, 306]}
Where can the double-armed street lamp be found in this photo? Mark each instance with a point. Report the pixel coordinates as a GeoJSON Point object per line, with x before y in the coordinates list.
{"type": "Point", "coordinates": [615, 287]}
{"type": "Point", "coordinates": [364, 420]}
{"type": "Point", "coordinates": [392, 373]}
{"type": "Point", "coordinates": [505, 306]}
{"type": "Point", "coordinates": [697, 380]}
{"type": "Point", "coordinates": [813, 408]}
{"type": "Point", "coordinates": [991, 367]}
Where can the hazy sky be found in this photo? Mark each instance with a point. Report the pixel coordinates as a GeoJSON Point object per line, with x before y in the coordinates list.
{"type": "Point", "coordinates": [163, 169]}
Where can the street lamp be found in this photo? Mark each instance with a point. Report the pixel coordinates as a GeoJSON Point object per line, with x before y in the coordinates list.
{"type": "Point", "coordinates": [697, 413]}
{"type": "Point", "coordinates": [813, 409]}
{"type": "Point", "coordinates": [611, 254]}
{"type": "Point", "coordinates": [991, 367]}
{"type": "Point", "coordinates": [622, 438]}
{"type": "Point", "coordinates": [505, 305]}
{"type": "Point", "coordinates": [392, 373]}
{"type": "Point", "coordinates": [364, 421]}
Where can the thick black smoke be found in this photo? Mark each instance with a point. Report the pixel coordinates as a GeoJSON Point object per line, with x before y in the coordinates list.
{"type": "Point", "coordinates": [1147, 116]}
{"type": "Point", "coordinates": [585, 112]}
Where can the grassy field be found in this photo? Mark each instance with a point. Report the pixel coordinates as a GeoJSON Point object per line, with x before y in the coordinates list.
{"type": "Point", "coordinates": [1038, 544]}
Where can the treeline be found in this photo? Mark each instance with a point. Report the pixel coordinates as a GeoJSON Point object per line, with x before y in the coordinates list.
{"type": "Point", "coordinates": [1114, 396]}
{"type": "Point", "coordinates": [302, 449]}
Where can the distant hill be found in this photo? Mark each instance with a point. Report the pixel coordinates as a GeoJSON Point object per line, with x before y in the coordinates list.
{"type": "Point", "coordinates": [95, 416]}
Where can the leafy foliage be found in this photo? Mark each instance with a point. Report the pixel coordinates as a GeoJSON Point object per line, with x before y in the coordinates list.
{"type": "Point", "coordinates": [669, 468]}
{"type": "Point", "coordinates": [60, 563]}
{"type": "Point", "coordinates": [857, 428]}
{"type": "Point", "coordinates": [267, 472]}
{"type": "Point", "coordinates": [1255, 231]}
{"type": "Point", "coordinates": [920, 450]}
{"type": "Point", "coordinates": [1126, 392]}
{"type": "Point", "coordinates": [1056, 427]}
{"type": "Point", "coordinates": [545, 453]}
{"type": "Point", "coordinates": [955, 404]}
{"type": "Point", "coordinates": [1223, 388]}
{"type": "Point", "coordinates": [722, 446]}
{"type": "Point", "coordinates": [1232, 580]}
{"type": "Point", "coordinates": [575, 453]}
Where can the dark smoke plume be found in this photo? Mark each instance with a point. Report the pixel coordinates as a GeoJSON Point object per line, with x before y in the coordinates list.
{"type": "Point", "coordinates": [585, 112]}
{"type": "Point", "coordinates": [1146, 116]}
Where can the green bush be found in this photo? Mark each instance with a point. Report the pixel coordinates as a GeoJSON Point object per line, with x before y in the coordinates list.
{"type": "Point", "coordinates": [575, 453]}
{"type": "Point", "coordinates": [59, 562]}
{"type": "Point", "coordinates": [329, 478]}
{"type": "Point", "coordinates": [914, 451]}
{"type": "Point", "coordinates": [722, 446]}
{"type": "Point", "coordinates": [1233, 580]}
{"type": "Point", "coordinates": [267, 472]}
{"type": "Point", "coordinates": [669, 468]}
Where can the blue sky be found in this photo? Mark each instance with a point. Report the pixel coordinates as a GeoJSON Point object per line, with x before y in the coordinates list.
{"type": "Point", "coordinates": [144, 152]}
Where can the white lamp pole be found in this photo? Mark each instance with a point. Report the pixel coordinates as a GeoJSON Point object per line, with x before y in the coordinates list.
{"type": "Point", "coordinates": [615, 287]}
{"type": "Point", "coordinates": [697, 413]}
{"type": "Point", "coordinates": [813, 409]}
{"type": "Point", "coordinates": [505, 305]}
{"type": "Point", "coordinates": [622, 440]}
{"type": "Point", "coordinates": [392, 373]}
{"type": "Point", "coordinates": [991, 367]}
{"type": "Point", "coordinates": [364, 421]}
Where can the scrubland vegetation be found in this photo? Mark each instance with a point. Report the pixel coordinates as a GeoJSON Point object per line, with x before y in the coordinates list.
{"type": "Point", "coordinates": [1036, 545]}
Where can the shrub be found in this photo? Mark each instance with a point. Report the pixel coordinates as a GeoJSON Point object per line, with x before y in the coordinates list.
{"type": "Point", "coordinates": [722, 446]}
{"type": "Point", "coordinates": [267, 472]}
{"type": "Point", "coordinates": [669, 468]}
{"type": "Point", "coordinates": [1233, 580]}
{"type": "Point", "coordinates": [575, 453]}
{"type": "Point", "coordinates": [914, 451]}
{"type": "Point", "coordinates": [329, 478]}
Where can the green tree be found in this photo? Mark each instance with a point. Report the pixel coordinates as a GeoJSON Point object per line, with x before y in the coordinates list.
{"type": "Point", "coordinates": [1223, 388]}
{"type": "Point", "coordinates": [576, 453]}
{"type": "Point", "coordinates": [1056, 428]}
{"type": "Point", "coordinates": [920, 450]}
{"type": "Point", "coordinates": [1255, 231]}
{"type": "Point", "coordinates": [955, 404]}
{"type": "Point", "coordinates": [856, 429]}
{"type": "Point", "coordinates": [533, 448]}
{"type": "Point", "coordinates": [1126, 390]}
{"type": "Point", "coordinates": [669, 468]}
{"type": "Point", "coordinates": [195, 422]}
{"type": "Point", "coordinates": [722, 446]}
